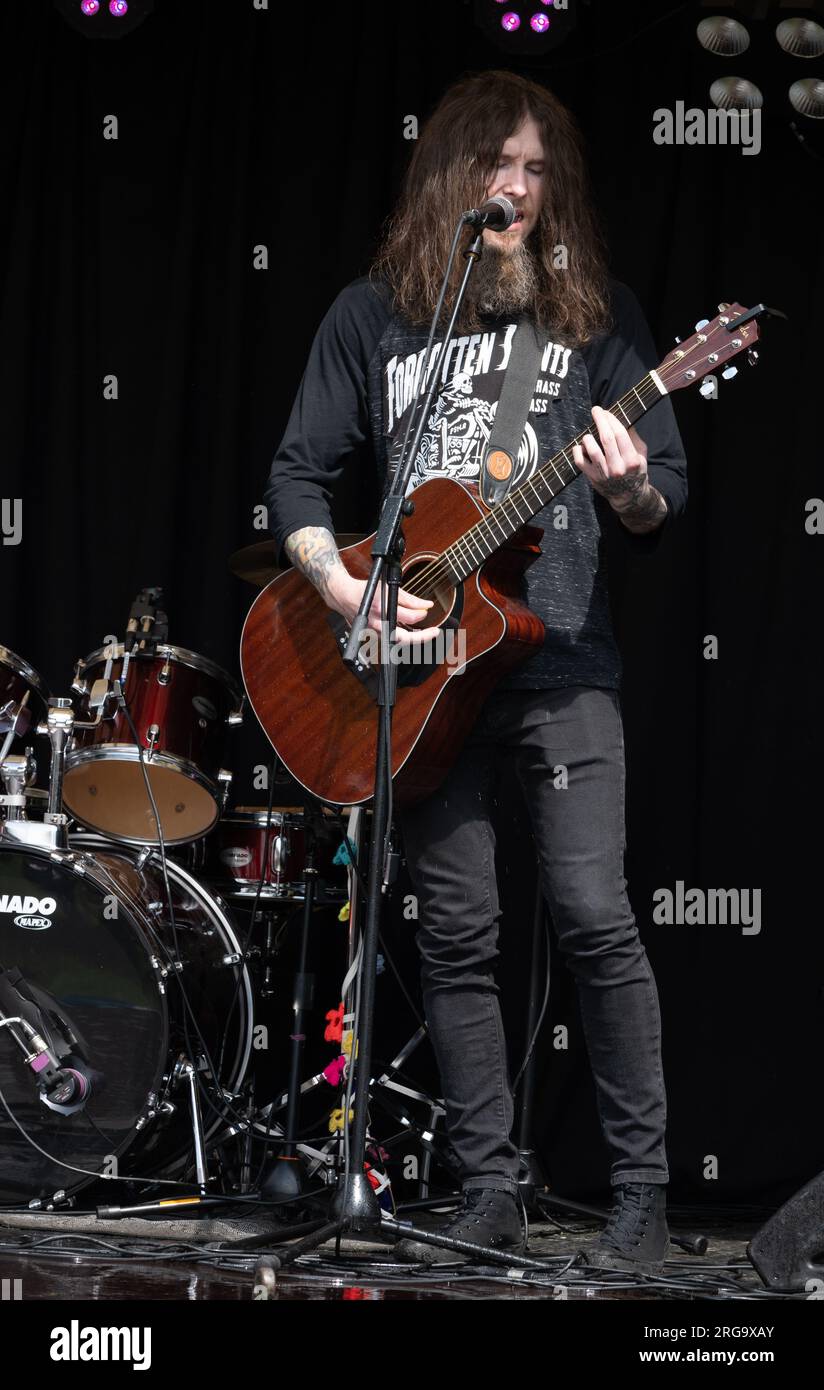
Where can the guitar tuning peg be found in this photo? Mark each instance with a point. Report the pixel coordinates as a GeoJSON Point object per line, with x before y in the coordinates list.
{"type": "Point", "coordinates": [752, 357]}
{"type": "Point", "coordinates": [702, 323]}
{"type": "Point", "coordinates": [709, 388]}
{"type": "Point", "coordinates": [729, 372]}
{"type": "Point", "coordinates": [722, 308]}
{"type": "Point", "coordinates": [677, 340]}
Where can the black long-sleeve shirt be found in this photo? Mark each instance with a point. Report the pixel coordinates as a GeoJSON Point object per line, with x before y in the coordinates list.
{"type": "Point", "coordinates": [359, 383]}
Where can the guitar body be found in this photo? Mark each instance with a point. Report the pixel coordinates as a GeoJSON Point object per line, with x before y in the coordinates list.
{"type": "Point", "coordinates": [321, 718]}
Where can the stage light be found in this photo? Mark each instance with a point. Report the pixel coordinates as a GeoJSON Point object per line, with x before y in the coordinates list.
{"type": "Point", "coordinates": [524, 28]}
{"type": "Point", "coordinates": [735, 93]}
{"type": "Point", "coordinates": [783, 98]}
{"type": "Point", "coordinates": [112, 18]}
{"type": "Point", "coordinates": [723, 36]}
{"type": "Point", "coordinates": [807, 97]}
{"type": "Point", "coordinates": [801, 38]}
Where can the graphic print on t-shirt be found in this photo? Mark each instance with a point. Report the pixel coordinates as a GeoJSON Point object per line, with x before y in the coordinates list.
{"type": "Point", "coordinates": [460, 423]}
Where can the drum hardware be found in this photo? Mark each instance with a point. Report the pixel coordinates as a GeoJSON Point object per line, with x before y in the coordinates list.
{"type": "Point", "coordinates": [225, 778]}
{"type": "Point", "coordinates": [19, 773]}
{"type": "Point", "coordinates": [22, 691]}
{"type": "Point", "coordinates": [147, 616]}
{"type": "Point", "coordinates": [51, 831]}
{"type": "Point", "coordinates": [15, 718]}
{"type": "Point", "coordinates": [185, 1071]}
{"type": "Point", "coordinates": [58, 727]}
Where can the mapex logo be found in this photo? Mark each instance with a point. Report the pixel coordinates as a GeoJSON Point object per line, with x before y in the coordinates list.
{"type": "Point", "coordinates": [33, 913]}
{"type": "Point", "coordinates": [236, 857]}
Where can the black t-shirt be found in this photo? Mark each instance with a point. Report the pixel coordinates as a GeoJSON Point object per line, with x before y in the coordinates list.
{"type": "Point", "coordinates": [352, 406]}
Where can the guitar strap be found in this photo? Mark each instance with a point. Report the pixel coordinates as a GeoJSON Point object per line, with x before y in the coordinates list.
{"type": "Point", "coordinates": [498, 467]}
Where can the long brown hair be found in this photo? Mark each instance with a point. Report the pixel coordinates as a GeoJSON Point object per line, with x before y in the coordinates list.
{"type": "Point", "coordinates": [449, 172]}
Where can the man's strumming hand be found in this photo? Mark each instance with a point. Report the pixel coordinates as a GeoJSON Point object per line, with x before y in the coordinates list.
{"type": "Point", "coordinates": [313, 551]}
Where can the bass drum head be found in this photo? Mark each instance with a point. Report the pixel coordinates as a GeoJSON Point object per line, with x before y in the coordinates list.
{"type": "Point", "coordinates": [89, 932]}
{"type": "Point", "coordinates": [86, 957]}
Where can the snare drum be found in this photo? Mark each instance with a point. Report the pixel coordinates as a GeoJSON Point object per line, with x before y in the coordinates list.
{"type": "Point", "coordinates": [181, 705]}
{"type": "Point", "coordinates": [242, 851]}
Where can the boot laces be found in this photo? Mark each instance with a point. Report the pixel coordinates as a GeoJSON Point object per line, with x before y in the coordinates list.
{"type": "Point", "coordinates": [476, 1204]}
{"type": "Point", "coordinates": [630, 1214]}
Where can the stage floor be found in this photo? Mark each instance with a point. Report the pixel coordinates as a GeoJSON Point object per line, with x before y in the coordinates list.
{"type": "Point", "coordinates": [75, 1257]}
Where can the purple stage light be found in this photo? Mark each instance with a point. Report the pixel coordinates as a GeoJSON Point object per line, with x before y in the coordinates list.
{"type": "Point", "coordinates": [118, 8]}
{"type": "Point", "coordinates": [510, 21]}
{"type": "Point", "coordinates": [90, 7]}
{"type": "Point", "coordinates": [539, 23]}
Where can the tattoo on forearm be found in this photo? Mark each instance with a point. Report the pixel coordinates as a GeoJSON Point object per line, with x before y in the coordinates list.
{"type": "Point", "coordinates": [313, 551]}
{"type": "Point", "coordinates": [639, 505]}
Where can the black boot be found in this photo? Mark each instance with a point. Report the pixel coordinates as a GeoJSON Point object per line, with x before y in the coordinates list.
{"type": "Point", "coordinates": [635, 1237]}
{"type": "Point", "coordinates": [485, 1217]}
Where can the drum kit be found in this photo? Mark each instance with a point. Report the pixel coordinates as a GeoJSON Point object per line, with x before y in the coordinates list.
{"type": "Point", "coordinates": [129, 990]}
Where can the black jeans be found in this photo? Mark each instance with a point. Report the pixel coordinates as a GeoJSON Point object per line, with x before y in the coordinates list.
{"type": "Point", "coordinates": [580, 837]}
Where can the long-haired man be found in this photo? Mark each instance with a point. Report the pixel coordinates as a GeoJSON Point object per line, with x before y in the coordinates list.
{"type": "Point", "coordinates": [558, 716]}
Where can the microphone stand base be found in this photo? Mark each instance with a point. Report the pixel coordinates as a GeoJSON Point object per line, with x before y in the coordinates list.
{"type": "Point", "coordinates": [355, 1204]}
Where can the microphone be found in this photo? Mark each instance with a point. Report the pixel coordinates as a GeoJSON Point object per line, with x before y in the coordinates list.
{"type": "Point", "coordinates": [61, 1088]}
{"type": "Point", "coordinates": [497, 214]}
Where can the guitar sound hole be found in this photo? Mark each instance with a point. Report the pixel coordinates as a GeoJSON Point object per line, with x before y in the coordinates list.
{"type": "Point", "coordinates": [444, 595]}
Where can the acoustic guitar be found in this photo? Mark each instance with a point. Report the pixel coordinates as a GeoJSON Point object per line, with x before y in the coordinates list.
{"type": "Point", "coordinates": [321, 717]}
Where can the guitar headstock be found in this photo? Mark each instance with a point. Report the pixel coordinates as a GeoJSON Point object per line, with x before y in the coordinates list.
{"type": "Point", "coordinates": [712, 345]}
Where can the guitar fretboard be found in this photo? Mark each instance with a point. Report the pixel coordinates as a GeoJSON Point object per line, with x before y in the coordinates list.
{"type": "Point", "coordinates": [469, 551]}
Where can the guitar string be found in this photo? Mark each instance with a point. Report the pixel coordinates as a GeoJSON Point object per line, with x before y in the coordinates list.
{"type": "Point", "coordinates": [481, 532]}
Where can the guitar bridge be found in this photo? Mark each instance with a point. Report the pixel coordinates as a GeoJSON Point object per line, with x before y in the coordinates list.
{"type": "Point", "coordinates": [362, 671]}
{"type": "Point", "coordinates": [416, 663]}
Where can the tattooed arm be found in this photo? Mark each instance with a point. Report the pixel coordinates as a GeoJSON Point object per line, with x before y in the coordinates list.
{"type": "Point", "coordinates": [616, 465]}
{"type": "Point", "coordinates": [313, 551]}
{"type": "Point", "coordinates": [639, 505]}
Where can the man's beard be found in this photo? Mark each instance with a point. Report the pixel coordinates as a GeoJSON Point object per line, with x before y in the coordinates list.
{"type": "Point", "coordinates": [502, 283]}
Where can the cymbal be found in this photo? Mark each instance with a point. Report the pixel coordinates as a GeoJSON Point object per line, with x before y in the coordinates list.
{"type": "Point", "coordinates": [256, 563]}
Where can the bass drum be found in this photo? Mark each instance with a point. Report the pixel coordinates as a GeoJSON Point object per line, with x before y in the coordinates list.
{"type": "Point", "coordinates": [87, 942]}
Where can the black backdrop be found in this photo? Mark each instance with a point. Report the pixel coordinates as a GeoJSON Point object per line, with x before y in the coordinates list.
{"type": "Point", "coordinates": [285, 128]}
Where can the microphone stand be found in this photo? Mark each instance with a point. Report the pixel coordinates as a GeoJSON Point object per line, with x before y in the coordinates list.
{"type": "Point", "coordinates": [355, 1202]}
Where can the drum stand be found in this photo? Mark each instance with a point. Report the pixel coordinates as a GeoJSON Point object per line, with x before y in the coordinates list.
{"type": "Point", "coordinates": [283, 1180]}
{"type": "Point", "coordinates": [18, 773]}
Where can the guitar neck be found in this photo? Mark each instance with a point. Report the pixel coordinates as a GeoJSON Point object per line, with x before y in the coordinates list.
{"type": "Point", "coordinates": [468, 553]}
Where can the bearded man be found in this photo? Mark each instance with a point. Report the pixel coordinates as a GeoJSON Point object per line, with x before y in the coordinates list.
{"type": "Point", "coordinates": [497, 133]}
